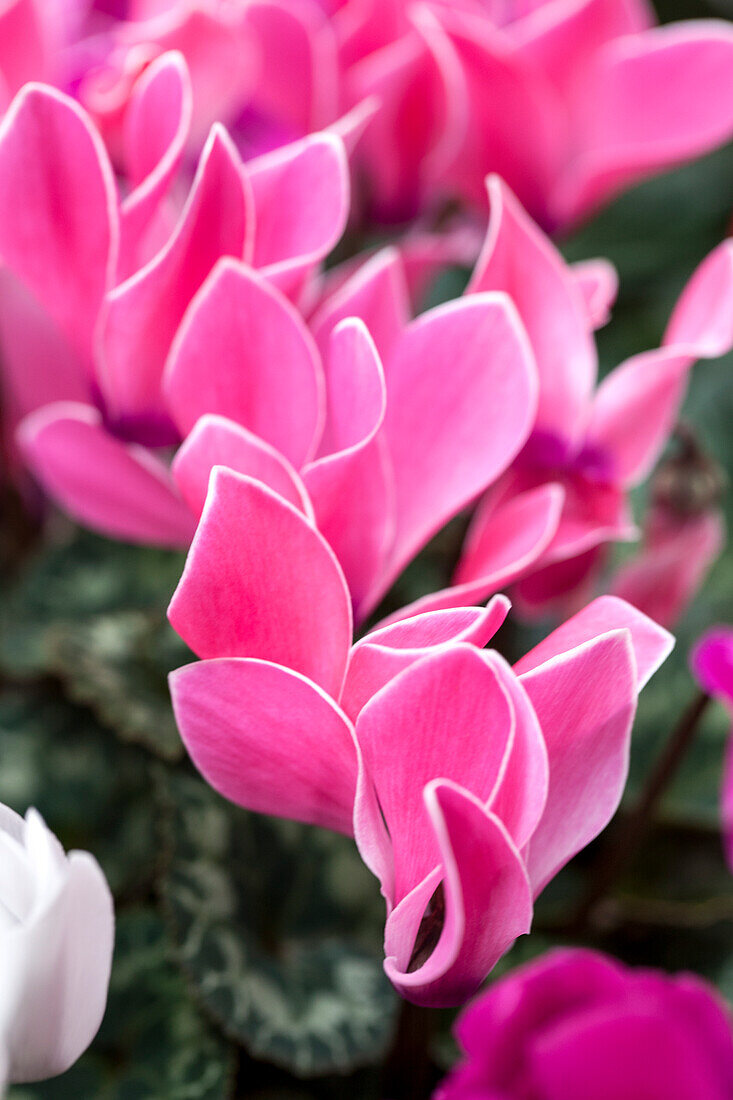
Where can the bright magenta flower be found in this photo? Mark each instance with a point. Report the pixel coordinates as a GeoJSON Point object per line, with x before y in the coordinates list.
{"type": "Point", "coordinates": [578, 1025]}
{"type": "Point", "coordinates": [712, 663]}
{"type": "Point", "coordinates": [467, 784]}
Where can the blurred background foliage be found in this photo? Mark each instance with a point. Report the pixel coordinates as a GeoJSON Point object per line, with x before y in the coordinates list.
{"type": "Point", "coordinates": [248, 955]}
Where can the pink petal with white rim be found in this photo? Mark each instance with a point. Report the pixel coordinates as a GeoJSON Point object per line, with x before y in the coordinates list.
{"type": "Point", "coordinates": [377, 293]}
{"type": "Point", "coordinates": [508, 541]}
{"type": "Point", "coordinates": [585, 701]}
{"type": "Point", "coordinates": [702, 319]}
{"type": "Point", "coordinates": [155, 130]}
{"type": "Point", "coordinates": [520, 260]}
{"type": "Point", "coordinates": [142, 314]}
{"type": "Point", "coordinates": [310, 180]}
{"type": "Point", "coordinates": [268, 739]}
{"type": "Point", "coordinates": [261, 582]}
{"type": "Point", "coordinates": [351, 486]}
{"type": "Point", "coordinates": [447, 715]}
{"type": "Point", "coordinates": [117, 488]}
{"type": "Point", "coordinates": [57, 199]}
{"type": "Point", "coordinates": [651, 101]}
{"type": "Point", "coordinates": [216, 441]}
{"type": "Point", "coordinates": [652, 643]}
{"type": "Point", "coordinates": [243, 352]}
{"type": "Point", "coordinates": [597, 281]}
{"type": "Point", "coordinates": [474, 353]}
{"type": "Point", "coordinates": [382, 653]}
{"type": "Point", "coordinates": [488, 903]}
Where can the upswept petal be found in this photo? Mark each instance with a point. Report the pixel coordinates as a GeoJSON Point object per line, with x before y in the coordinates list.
{"type": "Point", "coordinates": [652, 644]}
{"type": "Point", "coordinates": [474, 354]}
{"type": "Point", "coordinates": [488, 903]}
{"type": "Point", "coordinates": [57, 199]}
{"type": "Point", "coordinates": [377, 293]}
{"type": "Point", "coordinates": [448, 715]}
{"type": "Point", "coordinates": [382, 653]}
{"type": "Point", "coordinates": [268, 739]}
{"type": "Point", "coordinates": [508, 541]}
{"type": "Point", "coordinates": [301, 200]}
{"type": "Point", "coordinates": [119, 489]}
{"type": "Point", "coordinates": [585, 701]}
{"type": "Point", "coordinates": [520, 260]}
{"type": "Point", "coordinates": [24, 47]}
{"type": "Point", "coordinates": [243, 352]}
{"type": "Point", "coordinates": [155, 131]}
{"type": "Point", "coordinates": [260, 581]}
{"type": "Point", "coordinates": [351, 486]}
{"type": "Point", "coordinates": [142, 314]}
{"type": "Point", "coordinates": [597, 281]}
{"type": "Point", "coordinates": [651, 100]}
{"type": "Point", "coordinates": [702, 319]}
{"type": "Point", "coordinates": [216, 441]}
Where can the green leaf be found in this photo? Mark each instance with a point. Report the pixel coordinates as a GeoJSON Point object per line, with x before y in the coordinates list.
{"type": "Point", "coordinates": [93, 792]}
{"type": "Point", "coordinates": [277, 926]}
{"type": "Point", "coordinates": [154, 1044]}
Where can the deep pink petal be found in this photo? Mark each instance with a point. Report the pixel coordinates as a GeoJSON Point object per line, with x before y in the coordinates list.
{"type": "Point", "coordinates": [652, 100]}
{"type": "Point", "coordinates": [142, 314]}
{"type": "Point", "coordinates": [261, 582]}
{"type": "Point", "coordinates": [488, 903]}
{"type": "Point", "coordinates": [474, 353]}
{"type": "Point", "coordinates": [520, 260]}
{"type": "Point", "coordinates": [381, 654]}
{"type": "Point", "coordinates": [155, 131]}
{"type": "Point", "coordinates": [243, 352]}
{"type": "Point", "coordinates": [119, 489]}
{"type": "Point", "coordinates": [585, 701]}
{"type": "Point", "coordinates": [711, 662]}
{"type": "Point", "coordinates": [57, 200]}
{"type": "Point", "coordinates": [268, 739]}
{"type": "Point", "coordinates": [301, 199]}
{"type": "Point", "coordinates": [447, 715]}
{"type": "Point", "coordinates": [652, 644]}
{"type": "Point", "coordinates": [216, 441]}
{"type": "Point", "coordinates": [351, 486]}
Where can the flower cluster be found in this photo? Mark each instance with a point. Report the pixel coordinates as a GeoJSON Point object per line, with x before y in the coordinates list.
{"type": "Point", "coordinates": [180, 369]}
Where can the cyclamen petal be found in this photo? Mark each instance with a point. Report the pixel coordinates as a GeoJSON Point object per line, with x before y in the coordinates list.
{"type": "Point", "coordinates": [141, 315]}
{"type": "Point", "coordinates": [57, 199]}
{"type": "Point", "coordinates": [216, 441]}
{"type": "Point", "coordinates": [268, 739]}
{"type": "Point", "coordinates": [482, 870]}
{"type": "Point", "coordinates": [261, 582]}
{"type": "Point", "coordinates": [242, 352]}
{"type": "Point", "coordinates": [120, 489]}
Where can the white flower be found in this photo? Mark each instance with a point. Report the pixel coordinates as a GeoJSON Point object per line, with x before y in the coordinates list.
{"type": "Point", "coordinates": [56, 940]}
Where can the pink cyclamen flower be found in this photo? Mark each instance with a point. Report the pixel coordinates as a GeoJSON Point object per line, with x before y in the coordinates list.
{"type": "Point", "coordinates": [579, 1025]}
{"type": "Point", "coordinates": [545, 522]}
{"type": "Point", "coordinates": [467, 784]}
{"type": "Point", "coordinates": [363, 450]}
{"type": "Point", "coordinates": [56, 940]}
{"type": "Point", "coordinates": [712, 663]}
{"type": "Point", "coordinates": [98, 331]}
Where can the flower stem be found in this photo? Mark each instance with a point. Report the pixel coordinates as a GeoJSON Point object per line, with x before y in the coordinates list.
{"type": "Point", "coordinates": [408, 1070]}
